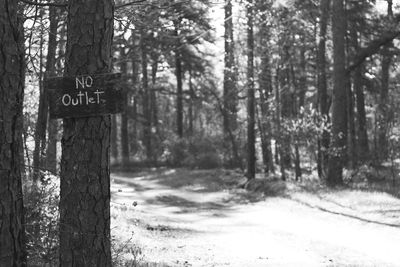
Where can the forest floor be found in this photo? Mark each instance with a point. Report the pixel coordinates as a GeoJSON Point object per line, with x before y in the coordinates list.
{"type": "Point", "coordinates": [185, 217]}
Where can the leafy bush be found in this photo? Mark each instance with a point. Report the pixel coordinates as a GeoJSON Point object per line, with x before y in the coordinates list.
{"type": "Point", "coordinates": [42, 218]}
{"type": "Point", "coordinates": [195, 152]}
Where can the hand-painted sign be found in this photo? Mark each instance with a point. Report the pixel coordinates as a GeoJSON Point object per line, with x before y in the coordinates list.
{"type": "Point", "coordinates": [84, 96]}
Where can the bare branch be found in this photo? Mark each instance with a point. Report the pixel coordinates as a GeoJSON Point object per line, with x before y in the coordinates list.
{"type": "Point", "coordinates": [372, 49]}
{"type": "Point", "coordinates": [130, 4]}
{"type": "Point", "coordinates": [44, 4]}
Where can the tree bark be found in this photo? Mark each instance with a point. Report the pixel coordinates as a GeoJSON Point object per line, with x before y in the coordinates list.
{"type": "Point", "coordinates": [85, 168]}
{"type": "Point", "coordinates": [51, 152]}
{"type": "Point", "coordinates": [146, 98]}
{"type": "Point", "coordinates": [339, 101]}
{"type": "Point", "coordinates": [41, 122]}
{"type": "Point", "coordinates": [230, 91]}
{"type": "Point", "coordinates": [251, 136]}
{"type": "Point", "coordinates": [12, 73]}
{"type": "Point", "coordinates": [179, 89]}
{"type": "Point", "coordinates": [323, 87]}
{"type": "Point", "coordinates": [383, 107]}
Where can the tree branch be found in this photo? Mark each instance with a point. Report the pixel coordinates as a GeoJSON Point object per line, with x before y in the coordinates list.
{"type": "Point", "coordinates": [29, 2]}
{"type": "Point", "coordinates": [371, 49]}
{"type": "Point", "coordinates": [130, 3]}
{"type": "Point", "coordinates": [44, 4]}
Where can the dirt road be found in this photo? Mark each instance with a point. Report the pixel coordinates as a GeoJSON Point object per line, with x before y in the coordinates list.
{"type": "Point", "coordinates": [198, 218]}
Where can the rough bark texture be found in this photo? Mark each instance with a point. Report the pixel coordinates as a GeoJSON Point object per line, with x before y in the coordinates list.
{"type": "Point", "coordinates": [85, 173]}
{"type": "Point", "coordinates": [12, 239]}
{"type": "Point", "coordinates": [251, 136]}
{"type": "Point", "coordinates": [339, 101]}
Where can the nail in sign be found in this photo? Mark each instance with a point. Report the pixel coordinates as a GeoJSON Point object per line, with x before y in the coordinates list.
{"type": "Point", "coordinates": [84, 96]}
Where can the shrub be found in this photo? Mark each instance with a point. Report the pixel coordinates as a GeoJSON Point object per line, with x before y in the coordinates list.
{"type": "Point", "coordinates": [42, 218]}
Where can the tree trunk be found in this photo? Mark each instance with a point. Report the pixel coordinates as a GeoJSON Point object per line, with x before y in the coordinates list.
{"type": "Point", "coordinates": [179, 89]}
{"type": "Point", "coordinates": [51, 152]}
{"type": "Point", "coordinates": [85, 170]}
{"type": "Point", "coordinates": [230, 81]}
{"type": "Point", "coordinates": [124, 114]}
{"type": "Point", "coordinates": [146, 99]}
{"type": "Point", "coordinates": [339, 101]}
{"type": "Point", "coordinates": [362, 137]}
{"type": "Point", "coordinates": [114, 138]}
{"type": "Point", "coordinates": [12, 73]}
{"type": "Point", "coordinates": [41, 122]}
{"type": "Point", "coordinates": [383, 107]}
{"type": "Point", "coordinates": [251, 136]}
{"type": "Point", "coordinates": [322, 87]}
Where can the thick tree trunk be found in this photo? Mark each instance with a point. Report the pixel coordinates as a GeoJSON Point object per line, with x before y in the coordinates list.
{"type": "Point", "coordinates": [251, 136]}
{"type": "Point", "coordinates": [339, 101]}
{"type": "Point", "coordinates": [12, 73]}
{"type": "Point", "coordinates": [322, 87]}
{"type": "Point", "coordinates": [85, 170]}
{"type": "Point", "coordinates": [51, 152]}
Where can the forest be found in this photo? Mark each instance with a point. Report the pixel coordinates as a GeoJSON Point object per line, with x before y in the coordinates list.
{"type": "Point", "coordinates": [199, 133]}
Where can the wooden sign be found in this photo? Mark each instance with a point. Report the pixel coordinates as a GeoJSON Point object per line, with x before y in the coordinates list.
{"type": "Point", "coordinates": [84, 96]}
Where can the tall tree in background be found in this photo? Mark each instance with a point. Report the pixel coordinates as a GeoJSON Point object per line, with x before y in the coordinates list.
{"type": "Point", "coordinates": [179, 74]}
{"type": "Point", "coordinates": [85, 171]}
{"type": "Point", "coordinates": [323, 85]}
{"type": "Point", "coordinates": [51, 152]}
{"type": "Point", "coordinates": [383, 103]}
{"type": "Point", "coordinates": [230, 74]}
{"type": "Point", "coordinates": [251, 136]}
{"type": "Point", "coordinates": [265, 88]}
{"type": "Point", "coordinates": [124, 114]}
{"type": "Point", "coordinates": [12, 74]}
{"type": "Point", "coordinates": [339, 101]}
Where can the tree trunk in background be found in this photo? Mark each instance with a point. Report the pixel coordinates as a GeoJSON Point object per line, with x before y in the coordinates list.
{"type": "Point", "coordinates": [286, 105]}
{"type": "Point", "coordinates": [51, 152]}
{"type": "Point", "coordinates": [362, 137]}
{"type": "Point", "coordinates": [12, 74]}
{"type": "Point", "coordinates": [251, 136]}
{"type": "Point", "coordinates": [265, 91]}
{"type": "Point", "coordinates": [135, 82]}
{"type": "Point", "coordinates": [230, 93]}
{"type": "Point", "coordinates": [153, 96]}
{"type": "Point", "coordinates": [124, 114]}
{"type": "Point", "coordinates": [191, 100]}
{"type": "Point", "coordinates": [146, 98]}
{"type": "Point", "coordinates": [383, 107]}
{"type": "Point", "coordinates": [179, 89]}
{"type": "Point", "coordinates": [41, 122]}
{"type": "Point", "coordinates": [114, 138]}
{"type": "Point", "coordinates": [85, 171]}
{"type": "Point", "coordinates": [322, 86]}
{"type": "Point", "coordinates": [351, 159]}
{"type": "Point", "coordinates": [339, 101]}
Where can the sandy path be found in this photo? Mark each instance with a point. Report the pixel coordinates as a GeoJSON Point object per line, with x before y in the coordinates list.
{"type": "Point", "coordinates": [183, 219]}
